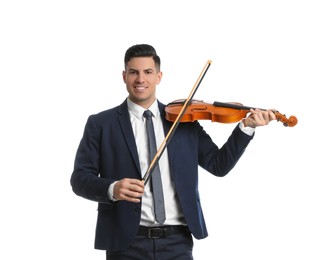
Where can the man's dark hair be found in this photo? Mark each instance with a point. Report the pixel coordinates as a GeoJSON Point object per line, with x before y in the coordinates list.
{"type": "Point", "coordinates": [142, 50]}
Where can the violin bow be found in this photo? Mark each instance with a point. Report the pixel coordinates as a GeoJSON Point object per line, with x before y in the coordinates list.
{"type": "Point", "coordinates": [175, 124]}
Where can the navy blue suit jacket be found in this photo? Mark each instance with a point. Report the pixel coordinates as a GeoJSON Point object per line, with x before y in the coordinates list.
{"type": "Point", "coordinates": [108, 152]}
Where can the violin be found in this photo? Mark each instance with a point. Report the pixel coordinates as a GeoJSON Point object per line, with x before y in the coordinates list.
{"type": "Point", "coordinates": [217, 112]}
{"type": "Point", "coordinates": [189, 110]}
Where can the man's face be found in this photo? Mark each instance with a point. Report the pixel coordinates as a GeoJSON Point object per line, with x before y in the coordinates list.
{"type": "Point", "coordinates": [141, 78]}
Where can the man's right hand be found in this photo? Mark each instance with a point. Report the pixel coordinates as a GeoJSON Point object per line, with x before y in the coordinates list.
{"type": "Point", "coordinates": [129, 190]}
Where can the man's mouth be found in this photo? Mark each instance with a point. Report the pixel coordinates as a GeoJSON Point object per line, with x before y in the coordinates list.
{"type": "Point", "coordinates": [140, 87]}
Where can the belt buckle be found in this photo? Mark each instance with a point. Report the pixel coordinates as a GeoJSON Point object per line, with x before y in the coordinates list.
{"type": "Point", "coordinates": [155, 232]}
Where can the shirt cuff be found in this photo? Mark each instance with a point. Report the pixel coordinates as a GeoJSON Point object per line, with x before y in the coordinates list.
{"type": "Point", "coordinates": [111, 192]}
{"type": "Point", "coordinates": [247, 130]}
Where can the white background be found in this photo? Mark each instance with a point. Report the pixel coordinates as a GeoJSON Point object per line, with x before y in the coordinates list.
{"type": "Point", "coordinates": [61, 61]}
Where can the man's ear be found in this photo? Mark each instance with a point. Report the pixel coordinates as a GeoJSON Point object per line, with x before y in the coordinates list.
{"type": "Point", "coordinates": [124, 76]}
{"type": "Point", "coordinates": [160, 75]}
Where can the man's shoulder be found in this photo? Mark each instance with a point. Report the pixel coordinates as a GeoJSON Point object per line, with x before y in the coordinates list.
{"type": "Point", "coordinates": [108, 116]}
{"type": "Point", "coordinates": [114, 111]}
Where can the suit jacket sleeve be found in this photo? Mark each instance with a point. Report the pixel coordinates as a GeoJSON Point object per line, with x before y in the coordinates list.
{"type": "Point", "coordinates": [220, 161]}
{"type": "Point", "coordinates": [85, 180]}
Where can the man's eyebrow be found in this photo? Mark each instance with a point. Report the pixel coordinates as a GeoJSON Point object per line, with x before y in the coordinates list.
{"type": "Point", "coordinates": [148, 69]}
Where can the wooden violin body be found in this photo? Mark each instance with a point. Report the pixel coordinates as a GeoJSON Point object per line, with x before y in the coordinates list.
{"type": "Point", "coordinates": [216, 112]}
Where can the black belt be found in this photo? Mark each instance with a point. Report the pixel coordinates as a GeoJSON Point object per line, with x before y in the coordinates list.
{"type": "Point", "coordinates": [161, 232]}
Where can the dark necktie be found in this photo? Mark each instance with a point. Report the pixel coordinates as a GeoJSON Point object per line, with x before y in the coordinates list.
{"type": "Point", "coordinates": [156, 181]}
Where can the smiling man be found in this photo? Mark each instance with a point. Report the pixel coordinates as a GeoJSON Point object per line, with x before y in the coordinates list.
{"type": "Point", "coordinates": [115, 152]}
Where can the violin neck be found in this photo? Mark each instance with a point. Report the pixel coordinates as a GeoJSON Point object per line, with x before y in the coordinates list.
{"type": "Point", "coordinates": [231, 105]}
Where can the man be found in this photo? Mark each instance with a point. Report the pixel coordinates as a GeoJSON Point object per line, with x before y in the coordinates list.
{"type": "Point", "coordinates": [113, 156]}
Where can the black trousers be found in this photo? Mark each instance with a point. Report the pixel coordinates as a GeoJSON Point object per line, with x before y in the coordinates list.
{"type": "Point", "coordinates": [173, 247]}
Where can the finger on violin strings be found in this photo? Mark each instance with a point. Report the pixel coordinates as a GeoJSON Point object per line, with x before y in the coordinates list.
{"type": "Point", "coordinates": [257, 114]}
{"type": "Point", "coordinates": [259, 118]}
{"type": "Point", "coordinates": [266, 115]}
{"type": "Point", "coordinates": [272, 115]}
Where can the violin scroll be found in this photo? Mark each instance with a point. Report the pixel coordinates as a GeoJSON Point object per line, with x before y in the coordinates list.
{"type": "Point", "coordinates": [291, 121]}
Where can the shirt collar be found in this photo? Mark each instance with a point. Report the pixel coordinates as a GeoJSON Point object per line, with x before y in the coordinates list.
{"type": "Point", "coordinates": [138, 111]}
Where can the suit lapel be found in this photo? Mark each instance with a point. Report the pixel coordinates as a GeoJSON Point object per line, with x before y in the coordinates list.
{"type": "Point", "coordinates": [167, 126]}
{"type": "Point", "coordinates": [125, 124]}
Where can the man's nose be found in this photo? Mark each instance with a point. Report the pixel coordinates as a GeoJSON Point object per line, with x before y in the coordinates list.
{"type": "Point", "coordinates": [141, 77]}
